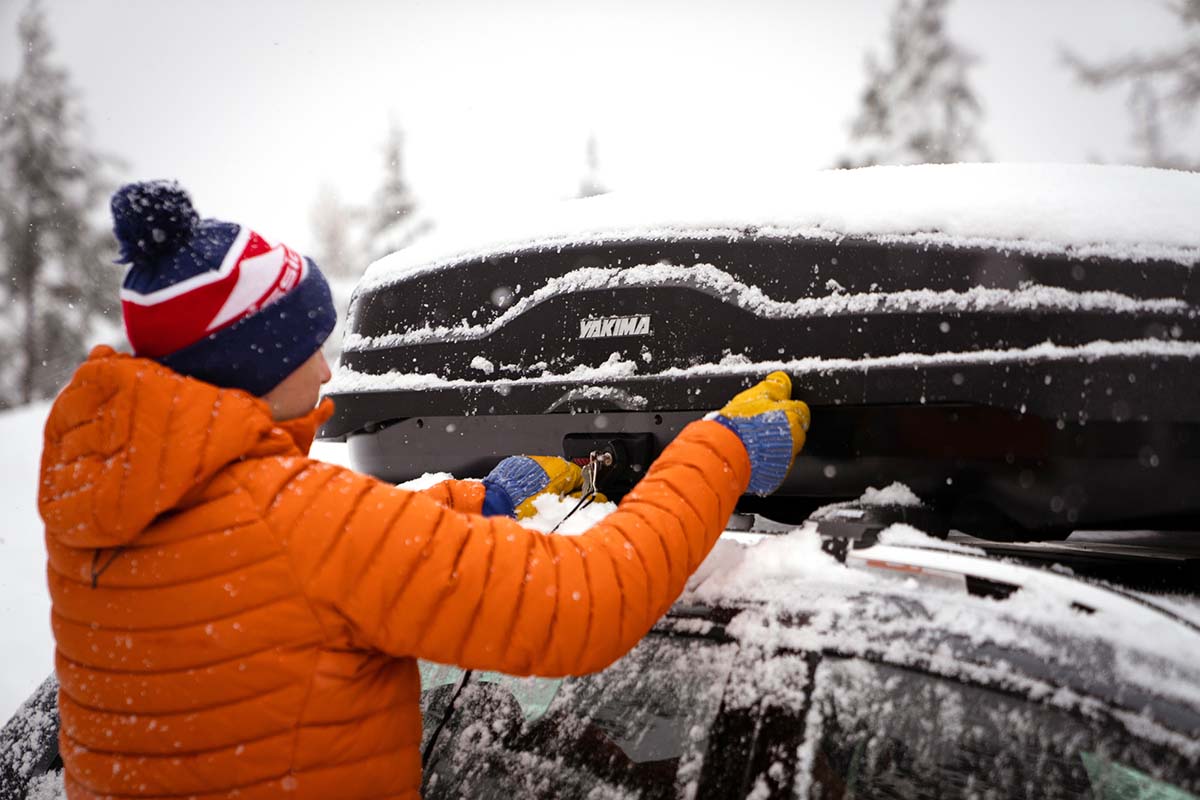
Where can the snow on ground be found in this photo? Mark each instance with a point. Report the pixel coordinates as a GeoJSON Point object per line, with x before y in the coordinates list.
{"type": "Point", "coordinates": [1080, 209]}
{"type": "Point", "coordinates": [28, 649]}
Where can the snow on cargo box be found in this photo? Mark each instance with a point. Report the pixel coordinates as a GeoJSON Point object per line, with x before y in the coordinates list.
{"type": "Point", "coordinates": [1017, 343]}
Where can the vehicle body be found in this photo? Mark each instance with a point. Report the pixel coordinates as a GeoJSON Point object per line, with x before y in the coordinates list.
{"type": "Point", "coordinates": [1017, 343]}
{"type": "Point", "coordinates": [916, 668]}
{"type": "Point", "coordinates": [901, 674]}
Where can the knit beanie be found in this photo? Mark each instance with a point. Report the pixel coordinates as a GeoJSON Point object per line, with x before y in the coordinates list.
{"type": "Point", "coordinates": [212, 299]}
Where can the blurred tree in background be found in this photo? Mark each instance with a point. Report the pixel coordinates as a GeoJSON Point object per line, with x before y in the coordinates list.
{"type": "Point", "coordinates": [350, 236]}
{"type": "Point", "coordinates": [1165, 80]}
{"type": "Point", "coordinates": [333, 224]}
{"type": "Point", "coordinates": [336, 227]}
{"type": "Point", "coordinates": [60, 289]}
{"type": "Point", "coordinates": [392, 221]}
{"type": "Point", "coordinates": [592, 184]}
{"type": "Point", "coordinates": [918, 105]}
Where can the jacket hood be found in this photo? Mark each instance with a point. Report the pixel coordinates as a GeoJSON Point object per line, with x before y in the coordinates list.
{"type": "Point", "coordinates": [128, 440]}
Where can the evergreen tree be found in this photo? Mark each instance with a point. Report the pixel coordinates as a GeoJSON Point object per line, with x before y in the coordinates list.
{"type": "Point", "coordinates": [1166, 79]}
{"type": "Point", "coordinates": [918, 106]}
{"type": "Point", "coordinates": [391, 221]}
{"type": "Point", "coordinates": [56, 264]}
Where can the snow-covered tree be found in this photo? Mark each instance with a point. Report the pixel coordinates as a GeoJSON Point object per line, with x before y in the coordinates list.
{"type": "Point", "coordinates": [918, 105]}
{"type": "Point", "coordinates": [1163, 80]}
{"type": "Point", "coordinates": [592, 184]}
{"type": "Point", "coordinates": [392, 221]}
{"type": "Point", "coordinates": [55, 257]}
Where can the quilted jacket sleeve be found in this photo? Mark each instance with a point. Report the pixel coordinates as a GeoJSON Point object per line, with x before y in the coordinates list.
{"type": "Point", "coordinates": [465, 496]}
{"type": "Point", "coordinates": [409, 576]}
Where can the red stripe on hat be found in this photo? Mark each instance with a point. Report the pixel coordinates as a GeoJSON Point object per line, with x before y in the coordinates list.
{"type": "Point", "coordinates": [160, 329]}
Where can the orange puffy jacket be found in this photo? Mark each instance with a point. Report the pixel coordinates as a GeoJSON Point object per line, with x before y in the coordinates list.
{"type": "Point", "coordinates": [235, 619]}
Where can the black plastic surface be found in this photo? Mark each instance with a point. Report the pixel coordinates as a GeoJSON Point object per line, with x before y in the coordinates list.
{"type": "Point", "coordinates": [1042, 443]}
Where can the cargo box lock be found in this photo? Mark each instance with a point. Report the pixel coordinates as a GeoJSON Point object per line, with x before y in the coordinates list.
{"type": "Point", "coordinates": [631, 455]}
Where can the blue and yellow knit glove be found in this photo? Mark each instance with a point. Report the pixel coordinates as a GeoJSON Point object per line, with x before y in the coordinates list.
{"type": "Point", "coordinates": [771, 426]}
{"type": "Point", "coordinates": [512, 485]}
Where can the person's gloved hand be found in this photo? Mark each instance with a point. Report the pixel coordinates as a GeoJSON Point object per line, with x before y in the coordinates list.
{"type": "Point", "coordinates": [512, 485]}
{"type": "Point", "coordinates": [771, 426]}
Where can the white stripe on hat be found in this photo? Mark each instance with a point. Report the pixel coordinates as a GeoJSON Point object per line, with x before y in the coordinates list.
{"type": "Point", "coordinates": [203, 279]}
{"type": "Point", "coordinates": [255, 279]}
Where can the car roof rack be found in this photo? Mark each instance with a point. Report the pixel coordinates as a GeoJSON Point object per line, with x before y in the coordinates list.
{"type": "Point", "coordinates": [1155, 561]}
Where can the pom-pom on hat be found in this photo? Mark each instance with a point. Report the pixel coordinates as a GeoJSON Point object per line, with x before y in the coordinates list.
{"type": "Point", "coordinates": [211, 299]}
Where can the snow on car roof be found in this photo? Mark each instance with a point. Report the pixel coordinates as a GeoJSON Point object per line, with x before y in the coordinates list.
{"type": "Point", "coordinates": [1080, 210]}
{"type": "Point", "coordinates": [1099, 636]}
{"type": "Point", "coordinates": [787, 569]}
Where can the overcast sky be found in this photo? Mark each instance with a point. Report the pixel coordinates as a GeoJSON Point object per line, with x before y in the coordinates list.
{"type": "Point", "coordinates": [253, 104]}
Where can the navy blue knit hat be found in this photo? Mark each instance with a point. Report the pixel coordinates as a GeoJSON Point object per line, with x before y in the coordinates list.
{"type": "Point", "coordinates": [211, 299]}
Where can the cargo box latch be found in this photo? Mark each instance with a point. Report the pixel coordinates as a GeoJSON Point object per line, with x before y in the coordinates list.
{"type": "Point", "coordinates": [632, 454]}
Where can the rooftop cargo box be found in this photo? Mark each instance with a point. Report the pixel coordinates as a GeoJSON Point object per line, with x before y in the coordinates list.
{"type": "Point", "coordinates": [1017, 343]}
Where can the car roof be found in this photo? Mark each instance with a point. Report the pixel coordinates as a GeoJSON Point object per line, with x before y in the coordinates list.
{"type": "Point", "coordinates": [911, 603]}
{"type": "Point", "coordinates": [1081, 210]}
{"type": "Point", "coordinates": [780, 569]}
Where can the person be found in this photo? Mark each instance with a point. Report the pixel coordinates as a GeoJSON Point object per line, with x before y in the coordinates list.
{"type": "Point", "coordinates": [235, 619]}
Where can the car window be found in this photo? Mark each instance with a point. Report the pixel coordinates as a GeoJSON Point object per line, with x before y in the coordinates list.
{"type": "Point", "coordinates": [532, 694]}
{"type": "Point", "coordinates": [875, 731]}
{"type": "Point", "coordinates": [639, 728]}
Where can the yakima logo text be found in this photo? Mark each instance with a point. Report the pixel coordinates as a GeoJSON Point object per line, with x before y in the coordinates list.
{"type": "Point", "coordinates": [603, 327]}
